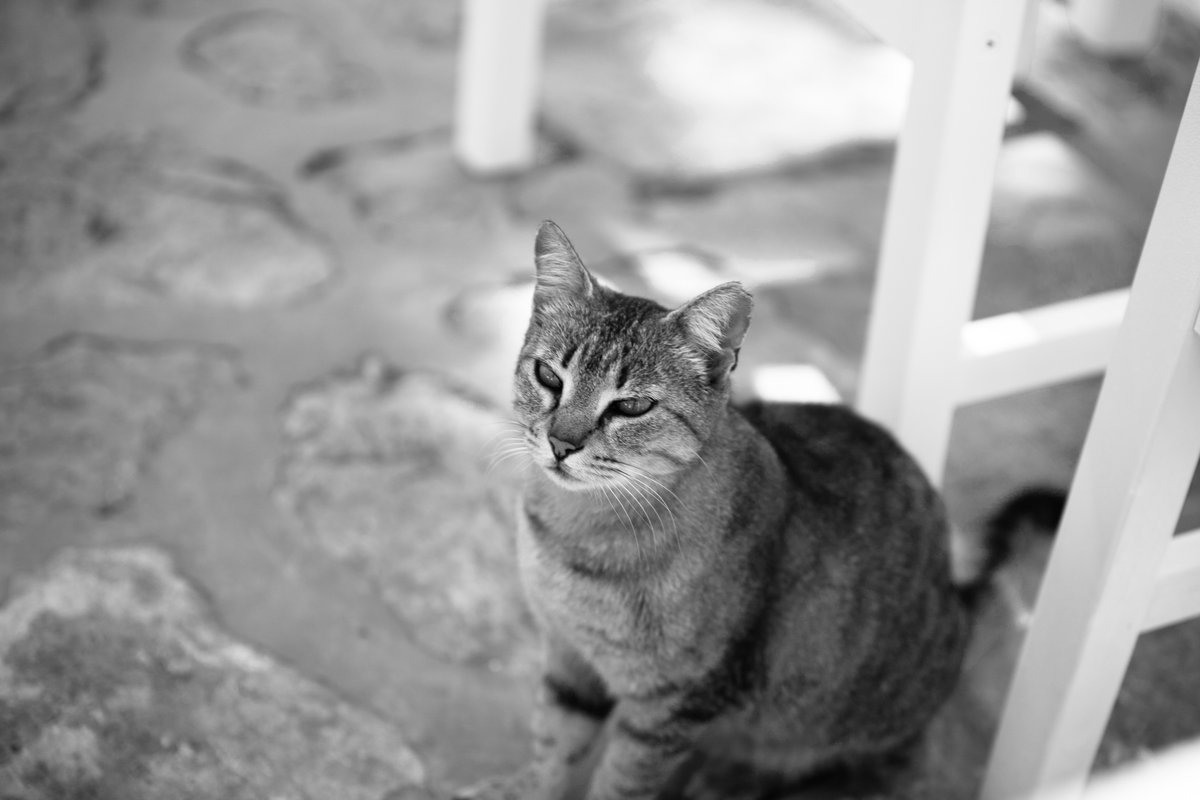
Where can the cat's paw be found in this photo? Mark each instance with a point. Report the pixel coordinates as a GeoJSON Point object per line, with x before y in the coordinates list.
{"type": "Point", "coordinates": [520, 786]}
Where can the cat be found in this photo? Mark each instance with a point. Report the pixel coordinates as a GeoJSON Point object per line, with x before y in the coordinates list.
{"type": "Point", "coordinates": [726, 592]}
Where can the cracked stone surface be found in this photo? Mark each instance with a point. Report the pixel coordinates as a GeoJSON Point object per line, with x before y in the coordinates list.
{"type": "Point", "coordinates": [82, 418]}
{"type": "Point", "coordinates": [410, 190]}
{"type": "Point", "coordinates": [274, 58]}
{"type": "Point", "coordinates": [151, 216]}
{"type": "Point", "coordinates": [424, 22]}
{"type": "Point", "coordinates": [46, 221]}
{"type": "Point", "coordinates": [115, 684]}
{"type": "Point", "coordinates": [50, 58]}
{"type": "Point", "coordinates": [1053, 210]}
{"type": "Point", "coordinates": [388, 472]}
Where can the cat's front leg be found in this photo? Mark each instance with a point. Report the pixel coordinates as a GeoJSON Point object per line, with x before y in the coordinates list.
{"type": "Point", "coordinates": [647, 746]}
{"type": "Point", "coordinates": [572, 705]}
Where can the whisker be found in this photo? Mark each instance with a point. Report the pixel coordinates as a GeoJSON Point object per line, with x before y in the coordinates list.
{"type": "Point", "coordinates": [505, 449]}
{"type": "Point", "coordinates": [514, 428]}
{"type": "Point", "coordinates": [504, 458]}
{"type": "Point", "coordinates": [642, 506]}
{"type": "Point", "coordinates": [643, 480]}
{"type": "Point", "coordinates": [632, 528]}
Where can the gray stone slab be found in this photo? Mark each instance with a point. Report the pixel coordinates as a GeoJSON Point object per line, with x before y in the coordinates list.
{"type": "Point", "coordinates": [114, 683]}
{"type": "Point", "coordinates": [80, 420]}
{"type": "Point", "coordinates": [50, 57]}
{"type": "Point", "coordinates": [1122, 112]}
{"type": "Point", "coordinates": [434, 23]}
{"type": "Point", "coordinates": [274, 58]}
{"type": "Point", "coordinates": [1060, 229]}
{"type": "Point", "coordinates": [578, 194]}
{"type": "Point", "coordinates": [148, 217]}
{"type": "Point", "coordinates": [400, 476]}
{"type": "Point", "coordinates": [411, 190]}
{"type": "Point", "coordinates": [46, 221]}
{"type": "Point", "coordinates": [695, 89]}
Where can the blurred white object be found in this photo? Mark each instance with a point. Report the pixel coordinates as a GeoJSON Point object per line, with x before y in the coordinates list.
{"type": "Point", "coordinates": [1117, 569]}
{"type": "Point", "coordinates": [499, 62]}
{"type": "Point", "coordinates": [1172, 775]}
{"type": "Point", "coordinates": [1117, 27]}
{"type": "Point", "coordinates": [965, 54]}
{"type": "Point", "coordinates": [793, 383]}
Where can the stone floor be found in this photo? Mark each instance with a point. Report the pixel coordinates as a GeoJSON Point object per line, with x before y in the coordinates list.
{"type": "Point", "coordinates": [256, 328]}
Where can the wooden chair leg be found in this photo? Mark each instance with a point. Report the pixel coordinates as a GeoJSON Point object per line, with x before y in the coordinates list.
{"type": "Point", "coordinates": [499, 65]}
{"type": "Point", "coordinates": [1123, 507]}
{"type": "Point", "coordinates": [937, 218]}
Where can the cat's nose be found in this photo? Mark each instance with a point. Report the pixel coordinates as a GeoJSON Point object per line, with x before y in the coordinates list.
{"type": "Point", "coordinates": [562, 448]}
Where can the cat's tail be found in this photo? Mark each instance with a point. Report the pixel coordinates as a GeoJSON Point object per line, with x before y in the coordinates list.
{"type": "Point", "coordinates": [976, 555]}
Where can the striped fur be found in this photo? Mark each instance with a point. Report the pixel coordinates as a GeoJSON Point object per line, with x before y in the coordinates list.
{"type": "Point", "coordinates": [761, 592]}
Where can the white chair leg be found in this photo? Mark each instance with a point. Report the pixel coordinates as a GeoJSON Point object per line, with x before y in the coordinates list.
{"type": "Point", "coordinates": [1028, 47]}
{"type": "Point", "coordinates": [937, 217]}
{"type": "Point", "coordinates": [499, 64]}
{"type": "Point", "coordinates": [1117, 27]}
{"type": "Point", "coordinates": [1122, 510]}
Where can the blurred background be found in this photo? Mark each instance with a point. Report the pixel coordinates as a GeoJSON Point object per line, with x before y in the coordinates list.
{"type": "Point", "coordinates": [257, 327]}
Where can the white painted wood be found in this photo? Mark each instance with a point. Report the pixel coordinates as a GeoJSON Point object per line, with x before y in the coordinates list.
{"type": "Point", "coordinates": [1116, 27]}
{"type": "Point", "coordinates": [1028, 39]}
{"type": "Point", "coordinates": [793, 383]}
{"type": "Point", "coordinates": [892, 22]}
{"type": "Point", "coordinates": [499, 63]}
{"type": "Point", "coordinates": [937, 215]}
{"type": "Point", "coordinates": [1122, 509]}
{"type": "Point", "coordinates": [1013, 352]}
{"type": "Point", "coordinates": [898, 24]}
{"type": "Point", "coordinates": [1177, 590]}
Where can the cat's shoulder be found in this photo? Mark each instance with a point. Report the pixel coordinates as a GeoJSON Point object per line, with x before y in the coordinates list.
{"type": "Point", "coordinates": [817, 424]}
{"type": "Point", "coordinates": [831, 440]}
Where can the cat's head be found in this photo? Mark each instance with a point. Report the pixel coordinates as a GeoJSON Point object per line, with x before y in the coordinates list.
{"type": "Point", "coordinates": [613, 388]}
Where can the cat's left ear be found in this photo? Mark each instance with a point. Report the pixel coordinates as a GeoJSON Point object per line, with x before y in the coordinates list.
{"type": "Point", "coordinates": [560, 271]}
{"type": "Point", "coordinates": [717, 321]}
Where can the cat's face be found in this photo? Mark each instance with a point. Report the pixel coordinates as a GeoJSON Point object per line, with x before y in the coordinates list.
{"type": "Point", "coordinates": [613, 389]}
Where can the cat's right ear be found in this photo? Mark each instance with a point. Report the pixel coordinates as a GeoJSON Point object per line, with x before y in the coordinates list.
{"type": "Point", "coordinates": [560, 272]}
{"type": "Point", "coordinates": [716, 322]}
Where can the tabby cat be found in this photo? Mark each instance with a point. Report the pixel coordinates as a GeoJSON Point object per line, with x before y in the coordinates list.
{"type": "Point", "coordinates": [765, 592]}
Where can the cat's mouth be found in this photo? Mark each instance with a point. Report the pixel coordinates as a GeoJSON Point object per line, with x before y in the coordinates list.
{"type": "Point", "coordinates": [565, 476]}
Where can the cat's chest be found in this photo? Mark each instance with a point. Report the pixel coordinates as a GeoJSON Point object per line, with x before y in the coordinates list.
{"type": "Point", "coordinates": [632, 631]}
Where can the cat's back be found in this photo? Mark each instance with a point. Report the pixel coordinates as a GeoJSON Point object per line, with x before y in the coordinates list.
{"type": "Point", "coordinates": [866, 563]}
{"type": "Point", "coordinates": [845, 468]}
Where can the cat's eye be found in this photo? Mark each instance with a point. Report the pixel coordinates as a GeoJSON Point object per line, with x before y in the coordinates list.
{"type": "Point", "coordinates": [547, 377]}
{"type": "Point", "coordinates": [633, 406]}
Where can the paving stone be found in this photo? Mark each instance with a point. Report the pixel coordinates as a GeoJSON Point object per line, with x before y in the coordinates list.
{"type": "Point", "coordinates": [576, 194]}
{"type": "Point", "coordinates": [691, 90]}
{"type": "Point", "coordinates": [142, 217]}
{"type": "Point", "coordinates": [46, 220]}
{"type": "Point", "coordinates": [1059, 229]}
{"type": "Point", "coordinates": [50, 57]}
{"type": "Point", "coordinates": [160, 8]}
{"type": "Point", "coordinates": [274, 58]}
{"type": "Point", "coordinates": [114, 683]}
{"type": "Point", "coordinates": [388, 472]}
{"type": "Point", "coordinates": [422, 22]}
{"type": "Point", "coordinates": [412, 190]}
{"type": "Point", "coordinates": [1122, 112]}
{"type": "Point", "coordinates": [190, 225]}
{"type": "Point", "coordinates": [830, 210]}
{"type": "Point", "coordinates": [84, 416]}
